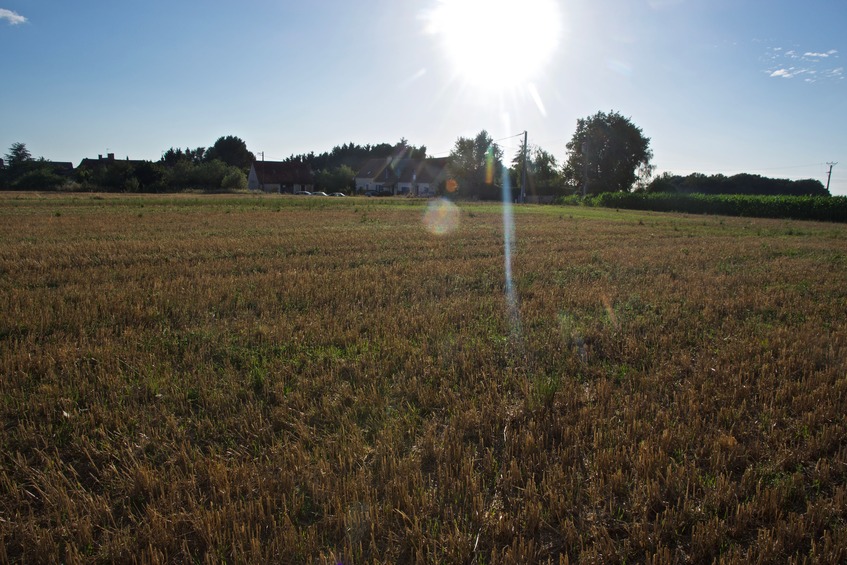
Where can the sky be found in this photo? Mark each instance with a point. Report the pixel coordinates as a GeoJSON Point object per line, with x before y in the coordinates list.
{"type": "Point", "coordinates": [719, 86]}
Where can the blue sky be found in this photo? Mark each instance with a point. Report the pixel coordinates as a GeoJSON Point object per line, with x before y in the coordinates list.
{"type": "Point", "coordinates": [720, 86]}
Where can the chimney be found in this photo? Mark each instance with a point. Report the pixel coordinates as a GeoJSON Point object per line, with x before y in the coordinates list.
{"type": "Point", "coordinates": [110, 156]}
{"type": "Point", "coordinates": [99, 157]}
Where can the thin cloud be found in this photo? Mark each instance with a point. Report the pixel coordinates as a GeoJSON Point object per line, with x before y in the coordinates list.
{"type": "Point", "coordinates": [813, 55]}
{"type": "Point", "coordinates": [12, 17]}
{"type": "Point", "coordinates": [811, 65]}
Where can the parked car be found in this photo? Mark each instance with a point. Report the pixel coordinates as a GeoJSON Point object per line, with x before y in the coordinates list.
{"type": "Point", "coordinates": [303, 193]}
{"type": "Point", "coordinates": [320, 193]}
{"type": "Point", "coordinates": [338, 194]}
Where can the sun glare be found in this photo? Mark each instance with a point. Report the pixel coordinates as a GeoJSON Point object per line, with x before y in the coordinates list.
{"type": "Point", "coordinates": [496, 44]}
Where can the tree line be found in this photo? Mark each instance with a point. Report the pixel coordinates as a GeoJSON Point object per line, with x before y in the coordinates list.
{"type": "Point", "coordinates": [607, 153]}
{"type": "Point", "coordinates": [744, 183]}
{"type": "Point", "coordinates": [223, 166]}
{"type": "Point", "coordinates": [335, 170]}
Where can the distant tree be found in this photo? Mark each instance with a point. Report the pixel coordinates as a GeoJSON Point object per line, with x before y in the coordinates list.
{"type": "Point", "coordinates": [339, 179]}
{"type": "Point", "coordinates": [18, 155]}
{"type": "Point", "coordinates": [150, 176]}
{"type": "Point", "coordinates": [666, 182]}
{"type": "Point", "coordinates": [475, 165]}
{"type": "Point", "coordinates": [196, 155]}
{"type": "Point", "coordinates": [38, 178]}
{"type": "Point", "coordinates": [353, 155]}
{"type": "Point", "coordinates": [409, 151]}
{"type": "Point", "coordinates": [737, 184]}
{"type": "Point", "coordinates": [544, 176]}
{"type": "Point", "coordinates": [131, 184]}
{"type": "Point", "coordinates": [232, 151]}
{"type": "Point", "coordinates": [176, 155]}
{"type": "Point", "coordinates": [211, 175]}
{"type": "Point", "coordinates": [608, 153]}
{"type": "Point", "coordinates": [23, 172]}
{"type": "Point", "coordinates": [172, 156]}
{"type": "Point", "coordinates": [117, 176]}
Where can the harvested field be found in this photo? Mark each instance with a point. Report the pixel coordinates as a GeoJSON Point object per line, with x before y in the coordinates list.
{"type": "Point", "coordinates": [304, 380]}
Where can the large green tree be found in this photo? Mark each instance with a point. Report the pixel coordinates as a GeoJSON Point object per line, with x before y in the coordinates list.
{"type": "Point", "coordinates": [607, 153]}
{"type": "Point", "coordinates": [476, 166]}
{"type": "Point", "coordinates": [173, 156]}
{"type": "Point", "coordinates": [18, 155]}
{"type": "Point", "coordinates": [232, 151]}
{"type": "Point", "coordinates": [23, 172]}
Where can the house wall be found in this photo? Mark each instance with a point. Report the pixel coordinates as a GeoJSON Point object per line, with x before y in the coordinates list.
{"type": "Point", "coordinates": [363, 184]}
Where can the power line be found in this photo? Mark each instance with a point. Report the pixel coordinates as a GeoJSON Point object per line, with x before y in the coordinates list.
{"type": "Point", "coordinates": [448, 151]}
{"type": "Point", "coordinates": [510, 137]}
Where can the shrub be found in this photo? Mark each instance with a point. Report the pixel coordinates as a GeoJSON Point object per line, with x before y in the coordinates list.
{"type": "Point", "coordinates": [38, 179]}
{"type": "Point", "coordinates": [234, 179]}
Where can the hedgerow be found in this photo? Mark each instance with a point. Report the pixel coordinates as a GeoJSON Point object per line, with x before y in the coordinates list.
{"type": "Point", "coordinates": [818, 208]}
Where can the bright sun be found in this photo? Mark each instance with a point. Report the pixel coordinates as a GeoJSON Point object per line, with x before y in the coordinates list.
{"type": "Point", "coordinates": [497, 44]}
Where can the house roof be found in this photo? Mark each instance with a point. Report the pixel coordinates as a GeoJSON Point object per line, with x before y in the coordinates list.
{"type": "Point", "coordinates": [425, 170]}
{"type": "Point", "coordinates": [103, 162]}
{"type": "Point", "coordinates": [282, 172]}
{"type": "Point", "coordinates": [61, 167]}
{"type": "Point", "coordinates": [67, 165]}
{"type": "Point", "coordinates": [372, 168]}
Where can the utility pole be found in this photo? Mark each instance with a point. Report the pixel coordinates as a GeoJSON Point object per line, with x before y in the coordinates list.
{"type": "Point", "coordinates": [523, 170]}
{"type": "Point", "coordinates": [261, 184]}
{"type": "Point", "coordinates": [585, 149]}
{"type": "Point", "coordinates": [829, 174]}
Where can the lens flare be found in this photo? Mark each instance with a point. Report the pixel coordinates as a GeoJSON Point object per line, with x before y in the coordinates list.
{"type": "Point", "coordinates": [489, 166]}
{"type": "Point", "coordinates": [441, 217]}
{"type": "Point", "coordinates": [508, 239]}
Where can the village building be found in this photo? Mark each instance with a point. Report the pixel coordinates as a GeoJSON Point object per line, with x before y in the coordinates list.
{"type": "Point", "coordinates": [404, 177]}
{"type": "Point", "coordinates": [100, 162]}
{"type": "Point", "coordinates": [280, 176]}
